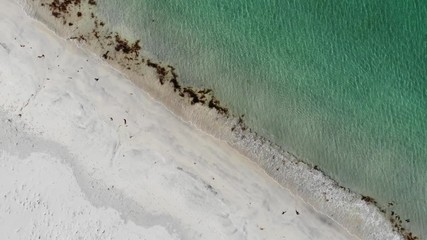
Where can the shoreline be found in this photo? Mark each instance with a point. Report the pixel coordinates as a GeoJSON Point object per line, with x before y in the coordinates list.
{"type": "Point", "coordinates": [76, 126]}
{"type": "Point", "coordinates": [213, 118]}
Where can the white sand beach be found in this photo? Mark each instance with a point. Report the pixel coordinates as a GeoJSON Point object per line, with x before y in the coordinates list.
{"type": "Point", "coordinates": [86, 154]}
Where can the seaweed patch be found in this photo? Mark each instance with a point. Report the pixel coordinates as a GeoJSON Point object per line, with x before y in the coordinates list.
{"type": "Point", "coordinates": [127, 53]}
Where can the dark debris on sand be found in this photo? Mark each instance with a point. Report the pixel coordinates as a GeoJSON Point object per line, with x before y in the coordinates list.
{"type": "Point", "coordinates": [113, 44]}
{"type": "Point", "coordinates": [59, 8]}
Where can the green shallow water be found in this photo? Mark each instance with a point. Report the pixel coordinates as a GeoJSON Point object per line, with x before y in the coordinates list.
{"type": "Point", "coordinates": [343, 84]}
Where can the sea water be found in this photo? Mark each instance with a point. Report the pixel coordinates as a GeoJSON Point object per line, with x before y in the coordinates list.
{"type": "Point", "coordinates": [343, 84]}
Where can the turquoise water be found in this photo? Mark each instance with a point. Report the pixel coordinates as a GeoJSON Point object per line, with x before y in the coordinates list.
{"type": "Point", "coordinates": [341, 83]}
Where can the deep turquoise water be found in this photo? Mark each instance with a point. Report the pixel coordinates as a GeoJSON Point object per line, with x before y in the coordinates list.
{"type": "Point", "coordinates": [341, 83]}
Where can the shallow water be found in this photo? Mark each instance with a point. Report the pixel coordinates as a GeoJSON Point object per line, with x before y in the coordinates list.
{"type": "Point", "coordinates": [342, 84]}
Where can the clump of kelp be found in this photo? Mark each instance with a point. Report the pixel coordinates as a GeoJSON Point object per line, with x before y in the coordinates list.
{"type": "Point", "coordinates": [126, 53]}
